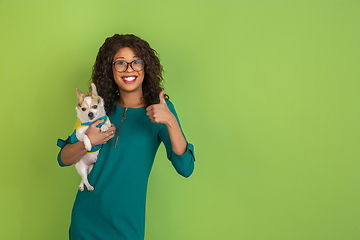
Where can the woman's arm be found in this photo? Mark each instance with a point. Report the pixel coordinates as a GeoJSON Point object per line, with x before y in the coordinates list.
{"type": "Point", "coordinates": [160, 113]}
{"type": "Point", "coordinates": [179, 151]}
{"type": "Point", "coordinates": [71, 153]}
{"type": "Point", "coordinates": [178, 142]}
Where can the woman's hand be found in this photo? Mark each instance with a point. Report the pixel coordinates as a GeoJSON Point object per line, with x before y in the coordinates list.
{"type": "Point", "coordinates": [71, 153]}
{"type": "Point", "coordinates": [96, 136]}
{"type": "Point", "coordinates": [160, 113]}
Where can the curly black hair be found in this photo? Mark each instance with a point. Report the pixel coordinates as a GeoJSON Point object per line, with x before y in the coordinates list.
{"type": "Point", "coordinates": [102, 73]}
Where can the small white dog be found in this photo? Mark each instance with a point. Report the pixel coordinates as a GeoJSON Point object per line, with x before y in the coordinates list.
{"type": "Point", "coordinates": [89, 109]}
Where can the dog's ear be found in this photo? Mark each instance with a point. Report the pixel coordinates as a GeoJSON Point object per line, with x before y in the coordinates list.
{"type": "Point", "coordinates": [101, 102]}
{"type": "Point", "coordinates": [93, 90]}
{"type": "Point", "coordinates": [80, 95]}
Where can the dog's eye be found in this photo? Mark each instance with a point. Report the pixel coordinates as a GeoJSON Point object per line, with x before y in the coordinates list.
{"type": "Point", "coordinates": [95, 107]}
{"type": "Point", "coordinates": [84, 109]}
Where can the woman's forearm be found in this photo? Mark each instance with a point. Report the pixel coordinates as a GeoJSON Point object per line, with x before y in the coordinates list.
{"type": "Point", "coordinates": [178, 142]}
{"type": "Point", "coordinates": [71, 153]}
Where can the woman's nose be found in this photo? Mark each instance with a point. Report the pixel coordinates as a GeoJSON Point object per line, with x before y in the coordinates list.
{"type": "Point", "coordinates": [129, 69]}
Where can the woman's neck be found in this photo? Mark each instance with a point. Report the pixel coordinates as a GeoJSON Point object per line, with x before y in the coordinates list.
{"type": "Point", "coordinates": [131, 100]}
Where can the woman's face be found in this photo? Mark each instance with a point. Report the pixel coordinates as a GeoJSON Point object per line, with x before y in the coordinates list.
{"type": "Point", "coordinates": [130, 80]}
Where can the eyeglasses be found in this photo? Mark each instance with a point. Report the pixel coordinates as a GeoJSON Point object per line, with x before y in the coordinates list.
{"type": "Point", "coordinates": [122, 66]}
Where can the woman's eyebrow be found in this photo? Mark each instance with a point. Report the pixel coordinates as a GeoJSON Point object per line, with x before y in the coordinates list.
{"type": "Point", "coordinates": [124, 58]}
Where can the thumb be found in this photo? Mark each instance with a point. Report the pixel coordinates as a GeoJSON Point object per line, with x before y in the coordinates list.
{"type": "Point", "coordinates": [161, 97]}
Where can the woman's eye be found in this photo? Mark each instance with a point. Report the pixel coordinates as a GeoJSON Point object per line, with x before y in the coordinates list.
{"type": "Point", "coordinates": [95, 107]}
{"type": "Point", "coordinates": [121, 63]}
{"type": "Point", "coordinates": [84, 109]}
{"type": "Point", "coordinates": [137, 61]}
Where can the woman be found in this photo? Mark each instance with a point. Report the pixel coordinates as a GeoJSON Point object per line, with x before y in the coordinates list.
{"type": "Point", "coordinates": [128, 75]}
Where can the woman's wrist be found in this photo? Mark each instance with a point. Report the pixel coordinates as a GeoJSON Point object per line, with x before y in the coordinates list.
{"type": "Point", "coordinates": [171, 120]}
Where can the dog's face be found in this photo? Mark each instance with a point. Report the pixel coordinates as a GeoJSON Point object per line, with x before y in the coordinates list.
{"type": "Point", "coordinates": [89, 107]}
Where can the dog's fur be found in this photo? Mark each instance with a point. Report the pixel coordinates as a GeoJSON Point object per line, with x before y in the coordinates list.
{"type": "Point", "coordinates": [89, 108]}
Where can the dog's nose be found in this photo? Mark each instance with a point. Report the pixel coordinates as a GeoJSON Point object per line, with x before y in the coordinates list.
{"type": "Point", "coordinates": [91, 115]}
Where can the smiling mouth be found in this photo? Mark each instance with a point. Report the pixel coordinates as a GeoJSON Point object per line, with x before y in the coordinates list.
{"type": "Point", "coordinates": [129, 79]}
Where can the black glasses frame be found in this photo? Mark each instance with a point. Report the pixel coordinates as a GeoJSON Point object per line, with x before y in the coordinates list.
{"type": "Point", "coordinates": [131, 65]}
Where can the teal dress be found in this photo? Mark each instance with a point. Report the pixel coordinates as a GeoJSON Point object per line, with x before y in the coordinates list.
{"type": "Point", "coordinates": [116, 208]}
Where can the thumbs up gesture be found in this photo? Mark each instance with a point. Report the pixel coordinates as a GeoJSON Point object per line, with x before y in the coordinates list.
{"type": "Point", "coordinates": [160, 113]}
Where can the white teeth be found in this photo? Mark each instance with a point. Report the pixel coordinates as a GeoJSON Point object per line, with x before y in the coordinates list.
{"type": "Point", "coordinates": [129, 78]}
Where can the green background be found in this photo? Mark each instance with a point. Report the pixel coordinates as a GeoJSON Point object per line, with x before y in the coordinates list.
{"type": "Point", "coordinates": [267, 91]}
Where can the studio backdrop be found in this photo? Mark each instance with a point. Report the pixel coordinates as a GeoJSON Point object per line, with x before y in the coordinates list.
{"type": "Point", "coordinates": [267, 91]}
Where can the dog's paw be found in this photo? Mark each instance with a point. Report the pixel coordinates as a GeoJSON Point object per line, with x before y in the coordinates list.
{"type": "Point", "coordinates": [91, 188]}
{"type": "Point", "coordinates": [81, 188]}
{"type": "Point", "coordinates": [88, 147]}
{"type": "Point", "coordinates": [87, 143]}
{"type": "Point", "coordinates": [104, 128]}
